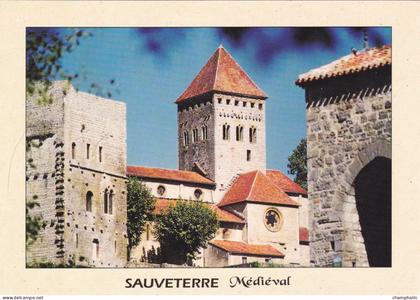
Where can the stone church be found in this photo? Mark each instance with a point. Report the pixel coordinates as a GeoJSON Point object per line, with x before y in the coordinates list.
{"type": "Point", "coordinates": [77, 171]}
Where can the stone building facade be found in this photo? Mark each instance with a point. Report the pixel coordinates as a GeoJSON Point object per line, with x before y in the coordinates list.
{"type": "Point", "coordinates": [263, 215]}
{"type": "Point", "coordinates": [76, 171]}
{"type": "Point", "coordinates": [349, 159]}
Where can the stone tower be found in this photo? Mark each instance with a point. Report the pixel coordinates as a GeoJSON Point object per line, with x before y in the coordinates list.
{"type": "Point", "coordinates": [76, 171]}
{"type": "Point", "coordinates": [349, 138]}
{"type": "Point", "coordinates": [221, 122]}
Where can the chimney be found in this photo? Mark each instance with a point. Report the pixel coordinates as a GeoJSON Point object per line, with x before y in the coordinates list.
{"type": "Point", "coordinates": [365, 39]}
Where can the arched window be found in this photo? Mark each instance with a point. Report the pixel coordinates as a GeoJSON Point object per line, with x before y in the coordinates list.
{"type": "Point", "coordinates": [106, 201]}
{"type": "Point", "coordinates": [252, 135]}
{"type": "Point", "coordinates": [89, 197]}
{"type": "Point", "coordinates": [204, 132]}
{"type": "Point", "coordinates": [198, 193]}
{"type": "Point", "coordinates": [161, 190]}
{"type": "Point", "coordinates": [226, 132]}
{"type": "Point", "coordinates": [239, 133]}
{"type": "Point", "coordinates": [186, 138]}
{"type": "Point", "coordinates": [110, 201]}
{"type": "Point", "coordinates": [73, 151]}
{"type": "Point", "coordinates": [195, 135]}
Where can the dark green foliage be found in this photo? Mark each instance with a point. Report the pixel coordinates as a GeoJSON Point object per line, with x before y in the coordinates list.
{"type": "Point", "coordinates": [186, 227]}
{"type": "Point", "coordinates": [45, 48]}
{"type": "Point", "coordinates": [140, 206]}
{"type": "Point", "coordinates": [34, 224]}
{"type": "Point", "coordinates": [297, 164]}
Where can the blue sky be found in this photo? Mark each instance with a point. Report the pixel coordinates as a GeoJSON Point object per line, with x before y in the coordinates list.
{"type": "Point", "coordinates": [152, 68]}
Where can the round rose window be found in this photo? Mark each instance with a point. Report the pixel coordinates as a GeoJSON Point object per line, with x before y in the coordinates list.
{"type": "Point", "coordinates": [273, 219]}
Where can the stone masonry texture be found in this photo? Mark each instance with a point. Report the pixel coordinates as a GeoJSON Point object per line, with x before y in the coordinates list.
{"type": "Point", "coordinates": [61, 172]}
{"type": "Point", "coordinates": [348, 125]}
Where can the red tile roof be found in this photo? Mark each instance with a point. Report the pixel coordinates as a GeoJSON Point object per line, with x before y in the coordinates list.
{"type": "Point", "coordinates": [255, 187]}
{"type": "Point", "coordinates": [353, 63]}
{"type": "Point", "coordinates": [167, 174]}
{"type": "Point", "coordinates": [303, 234]}
{"type": "Point", "coordinates": [162, 206]}
{"type": "Point", "coordinates": [222, 73]}
{"type": "Point", "coordinates": [246, 249]}
{"type": "Point", "coordinates": [285, 183]}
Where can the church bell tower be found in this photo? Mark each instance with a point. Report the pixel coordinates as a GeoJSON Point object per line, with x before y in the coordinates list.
{"type": "Point", "coordinates": [221, 123]}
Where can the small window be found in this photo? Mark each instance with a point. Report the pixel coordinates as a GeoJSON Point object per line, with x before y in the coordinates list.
{"type": "Point", "coordinates": [219, 100]}
{"type": "Point", "coordinates": [106, 205]}
{"type": "Point", "coordinates": [260, 106]}
{"type": "Point", "coordinates": [268, 260]}
{"type": "Point", "coordinates": [248, 155]}
{"type": "Point", "coordinates": [186, 138]}
{"type": "Point", "coordinates": [89, 196]}
{"type": "Point", "coordinates": [87, 150]}
{"type": "Point", "coordinates": [239, 133]}
{"type": "Point", "coordinates": [227, 101]}
{"type": "Point", "coordinates": [226, 133]}
{"type": "Point", "coordinates": [77, 240]}
{"type": "Point", "coordinates": [95, 249]}
{"type": "Point", "coordinates": [244, 260]}
{"type": "Point", "coordinates": [73, 151]}
{"type": "Point", "coordinates": [236, 102]}
{"type": "Point", "coordinates": [204, 132]}
{"type": "Point", "coordinates": [244, 104]}
{"type": "Point", "coordinates": [161, 190]}
{"type": "Point", "coordinates": [100, 154]}
{"type": "Point", "coordinates": [198, 193]}
{"type": "Point", "coordinates": [195, 135]}
{"type": "Point", "coordinates": [110, 201]}
{"type": "Point", "coordinates": [252, 135]}
{"type": "Point", "coordinates": [252, 105]}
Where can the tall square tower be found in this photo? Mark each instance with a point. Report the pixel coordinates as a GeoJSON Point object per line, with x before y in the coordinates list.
{"type": "Point", "coordinates": [221, 122]}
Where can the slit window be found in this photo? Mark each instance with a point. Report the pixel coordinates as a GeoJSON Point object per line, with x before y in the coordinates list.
{"type": "Point", "coordinates": [110, 201]}
{"type": "Point", "coordinates": [106, 201]}
{"type": "Point", "coordinates": [239, 133]}
{"type": "Point", "coordinates": [204, 132]}
{"type": "Point", "coordinates": [89, 197]}
{"type": "Point", "coordinates": [100, 153]}
{"type": "Point", "coordinates": [252, 135]}
{"type": "Point", "coordinates": [87, 150]}
{"type": "Point", "coordinates": [95, 249]}
{"type": "Point", "coordinates": [73, 151]}
{"type": "Point", "coordinates": [195, 135]}
{"type": "Point", "coordinates": [226, 133]}
{"type": "Point", "coordinates": [248, 155]}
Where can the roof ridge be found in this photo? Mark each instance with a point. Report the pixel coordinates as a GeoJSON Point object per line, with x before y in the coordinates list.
{"type": "Point", "coordinates": [217, 67]}
{"type": "Point", "coordinates": [252, 185]}
{"type": "Point", "coordinates": [246, 74]}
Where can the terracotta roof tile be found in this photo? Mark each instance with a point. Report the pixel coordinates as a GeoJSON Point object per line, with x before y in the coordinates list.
{"type": "Point", "coordinates": [303, 234]}
{"type": "Point", "coordinates": [168, 174]}
{"type": "Point", "coordinates": [353, 63]}
{"type": "Point", "coordinates": [285, 183]}
{"type": "Point", "coordinates": [222, 73]}
{"type": "Point", "coordinates": [246, 249]}
{"type": "Point", "coordinates": [255, 187]}
{"type": "Point", "coordinates": [162, 205]}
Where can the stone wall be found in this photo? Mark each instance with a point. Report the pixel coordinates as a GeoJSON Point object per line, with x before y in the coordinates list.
{"type": "Point", "coordinates": [348, 125]}
{"type": "Point", "coordinates": [194, 115]}
{"type": "Point", "coordinates": [221, 160]}
{"type": "Point", "coordinates": [44, 175]}
{"type": "Point", "coordinates": [101, 123]}
{"type": "Point", "coordinates": [59, 175]}
{"type": "Point", "coordinates": [231, 155]}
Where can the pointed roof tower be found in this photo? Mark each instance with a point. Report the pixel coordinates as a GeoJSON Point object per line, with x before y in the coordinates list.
{"type": "Point", "coordinates": [222, 74]}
